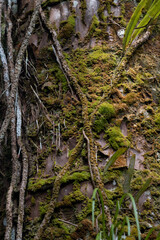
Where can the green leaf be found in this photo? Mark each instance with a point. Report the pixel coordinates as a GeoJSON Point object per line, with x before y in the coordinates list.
{"type": "Point", "coordinates": [152, 14]}
{"type": "Point", "coordinates": [112, 232]}
{"type": "Point", "coordinates": [129, 174]}
{"type": "Point", "coordinates": [99, 236]}
{"type": "Point", "coordinates": [129, 226]}
{"type": "Point", "coordinates": [114, 157]}
{"type": "Point", "coordinates": [149, 233]}
{"type": "Point", "coordinates": [133, 22]}
{"type": "Point", "coordinates": [143, 189]}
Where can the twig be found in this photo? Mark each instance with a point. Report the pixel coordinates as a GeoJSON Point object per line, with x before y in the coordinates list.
{"type": "Point", "coordinates": [67, 222]}
{"type": "Point", "coordinates": [44, 108]}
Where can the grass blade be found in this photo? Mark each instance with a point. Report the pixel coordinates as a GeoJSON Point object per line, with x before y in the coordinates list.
{"type": "Point", "coordinates": [93, 204]}
{"type": "Point", "coordinates": [114, 157]}
{"type": "Point", "coordinates": [134, 210]}
{"type": "Point", "coordinates": [149, 233]}
{"type": "Point", "coordinates": [143, 189]}
{"type": "Point", "coordinates": [112, 232]}
{"type": "Point", "coordinates": [126, 186]}
{"type": "Point", "coordinates": [93, 209]}
{"type": "Point", "coordinates": [99, 236]}
{"type": "Point", "coordinates": [129, 226]}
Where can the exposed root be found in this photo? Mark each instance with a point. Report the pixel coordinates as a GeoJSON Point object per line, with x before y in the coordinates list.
{"type": "Point", "coordinates": [22, 190]}
{"type": "Point", "coordinates": [9, 214]}
{"type": "Point", "coordinates": [11, 73]}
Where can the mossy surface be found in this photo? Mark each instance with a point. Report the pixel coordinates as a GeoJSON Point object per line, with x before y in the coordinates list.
{"type": "Point", "coordinates": [128, 104]}
{"type": "Point", "coordinates": [107, 110]}
{"type": "Point", "coordinates": [77, 176]}
{"type": "Point", "coordinates": [116, 138]}
{"type": "Point", "coordinates": [37, 184]}
{"type": "Point", "coordinates": [67, 29]}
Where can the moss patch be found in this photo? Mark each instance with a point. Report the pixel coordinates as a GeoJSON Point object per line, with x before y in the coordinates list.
{"type": "Point", "coordinates": [116, 138]}
{"type": "Point", "coordinates": [77, 176]}
{"type": "Point", "coordinates": [67, 29]}
{"type": "Point", "coordinates": [107, 110]}
{"type": "Point", "coordinates": [37, 184]}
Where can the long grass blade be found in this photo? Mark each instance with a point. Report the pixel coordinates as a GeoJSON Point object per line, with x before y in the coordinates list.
{"type": "Point", "coordinates": [93, 204]}
{"type": "Point", "coordinates": [126, 186]}
{"type": "Point", "coordinates": [143, 189]}
{"type": "Point", "coordinates": [114, 157]}
{"type": "Point", "coordinates": [134, 210]}
{"type": "Point", "coordinates": [93, 209]}
{"type": "Point", "coordinates": [99, 236]}
{"type": "Point", "coordinates": [112, 233]}
{"type": "Point", "coordinates": [129, 225]}
{"type": "Point", "coordinates": [133, 22]}
{"type": "Point", "coordinates": [149, 233]}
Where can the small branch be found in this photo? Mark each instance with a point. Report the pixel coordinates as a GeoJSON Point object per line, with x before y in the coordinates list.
{"type": "Point", "coordinates": [67, 222]}
{"type": "Point", "coordinates": [42, 105]}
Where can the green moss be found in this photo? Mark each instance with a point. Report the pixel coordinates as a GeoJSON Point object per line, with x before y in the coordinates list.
{"type": "Point", "coordinates": [100, 124]}
{"type": "Point", "coordinates": [107, 110]}
{"type": "Point", "coordinates": [72, 198]}
{"type": "Point", "coordinates": [43, 208]}
{"type": "Point", "coordinates": [131, 98]}
{"type": "Point", "coordinates": [33, 201]}
{"type": "Point", "coordinates": [116, 138]}
{"type": "Point", "coordinates": [98, 55]}
{"type": "Point", "coordinates": [77, 176]}
{"type": "Point", "coordinates": [87, 210]}
{"type": "Point", "coordinates": [111, 175]}
{"type": "Point", "coordinates": [67, 28]}
{"type": "Point", "coordinates": [94, 25]}
{"type": "Point", "coordinates": [36, 184]}
{"type": "Point", "coordinates": [157, 119]}
{"type": "Point", "coordinates": [83, 9]}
